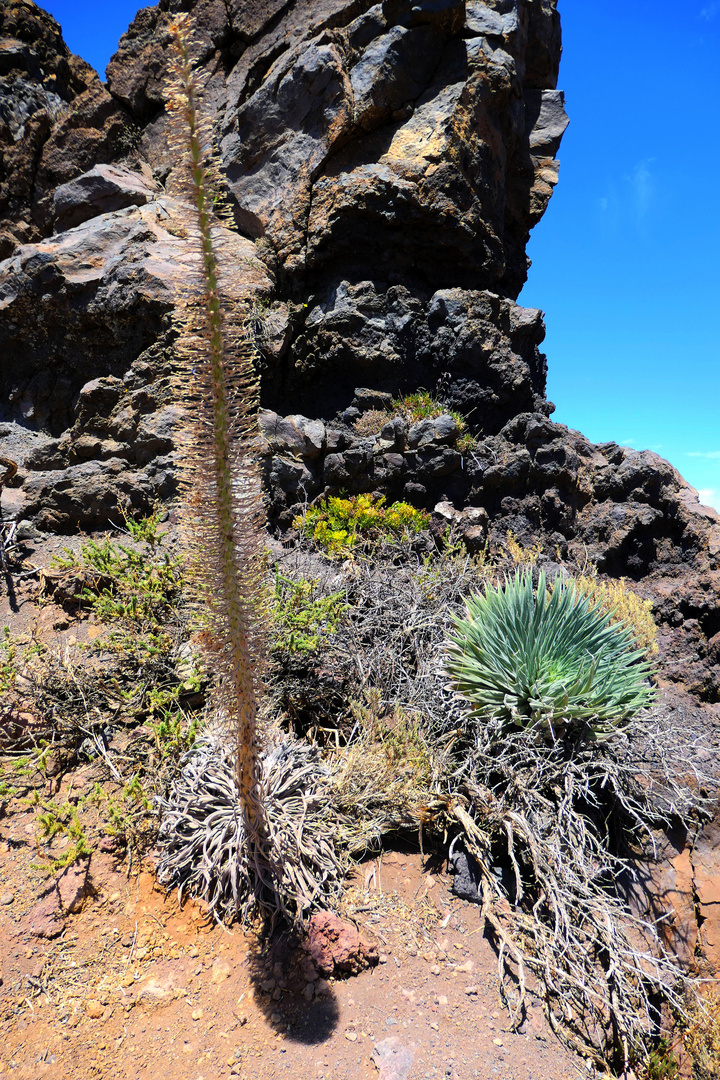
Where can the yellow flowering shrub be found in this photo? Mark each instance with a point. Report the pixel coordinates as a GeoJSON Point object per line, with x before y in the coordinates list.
{"type": "Point", "coordinates": [338, 525]}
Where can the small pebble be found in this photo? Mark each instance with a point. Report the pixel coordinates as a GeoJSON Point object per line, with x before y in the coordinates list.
{"type": "Point", "coordinates": [351, 1036]}
{"type": "Point", "coordinates": [7, 898]}
{"type": "Point", "coordinates": [382, 958]}
{"type": "Point", "coordinates": [94, 1009]}
{"type": "Point", "coordinates": [498, 1042]}
{"type": "Point", "coordinates": [197, 1014]}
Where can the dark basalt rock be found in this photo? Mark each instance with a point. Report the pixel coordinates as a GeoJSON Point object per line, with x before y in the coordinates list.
{"type": "Point", "coordinates": [388, 160]}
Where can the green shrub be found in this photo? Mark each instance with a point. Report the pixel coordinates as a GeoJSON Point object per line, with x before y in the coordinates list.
{"type": "Point", "coordinates": [304, 617]}
{"type": "Point", "coordinates": [132, 585]}
{"type": "Point", "coordinates": [339, 525]}
{"type": "Point", "coordinates": [553, 660]}
{"type": "Point", "coordinates": [661, 1063]}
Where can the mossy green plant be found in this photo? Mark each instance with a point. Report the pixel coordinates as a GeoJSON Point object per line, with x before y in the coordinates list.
{"type": "Point", "coordinates": [421, 405]}
{"type": "Point", "coordinates": [340, 525]}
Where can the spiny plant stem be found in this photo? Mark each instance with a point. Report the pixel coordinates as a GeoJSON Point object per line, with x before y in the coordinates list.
{"type": "Point", "coordinates": [237, 600]}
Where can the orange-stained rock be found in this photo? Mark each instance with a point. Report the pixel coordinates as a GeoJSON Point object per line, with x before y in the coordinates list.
{"type": "Point", "coordinates": [337, 947]}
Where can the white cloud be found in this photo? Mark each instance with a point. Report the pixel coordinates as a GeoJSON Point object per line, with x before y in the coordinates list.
{"type": "Point", "coordinates": [713, 455]}
{"type": "Point", "coordinates": [642, 186]}
{"type": "Point", "coordinates": [710, 10]}
{"type": "Point", "coordinates": [710, 497]}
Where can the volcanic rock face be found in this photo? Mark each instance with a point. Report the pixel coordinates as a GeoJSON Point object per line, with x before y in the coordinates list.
{"type": "Point", "coordinates": [388, 159]}
{"type": "Point", "coordinates": [56, 120]}
{"type": "Point", "coordinates": [384, 164]}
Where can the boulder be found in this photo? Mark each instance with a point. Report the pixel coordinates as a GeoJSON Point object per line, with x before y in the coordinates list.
{"type": "Point", "coordinates": [100, 191]}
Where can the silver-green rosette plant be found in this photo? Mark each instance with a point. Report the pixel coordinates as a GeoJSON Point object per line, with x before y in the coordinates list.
{"type": "Point", "coordinates": [548, 659]}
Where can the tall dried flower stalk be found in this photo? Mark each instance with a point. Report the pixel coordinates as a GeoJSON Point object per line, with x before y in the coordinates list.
{"type": "Point", "coordinates": [220, 480]}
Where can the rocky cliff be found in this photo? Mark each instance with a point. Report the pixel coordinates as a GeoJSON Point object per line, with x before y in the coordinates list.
{"type": "Point", "coordinates": [385, 163]}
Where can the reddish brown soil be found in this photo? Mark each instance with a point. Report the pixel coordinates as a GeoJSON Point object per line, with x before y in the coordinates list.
{"type": "Point", "coordinates": [135, 986]}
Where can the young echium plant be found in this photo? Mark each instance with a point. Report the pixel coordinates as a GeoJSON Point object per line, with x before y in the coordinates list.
{"type": "Point", "coordinates": [566, 773]}
{"type": "Point", "coordinates": [547, 660]}
{"type": "Point", "coordinates": [223, 521]}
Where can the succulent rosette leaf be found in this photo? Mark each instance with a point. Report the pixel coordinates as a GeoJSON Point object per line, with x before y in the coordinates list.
{"type": "Point", "coordinates": [531, 657]}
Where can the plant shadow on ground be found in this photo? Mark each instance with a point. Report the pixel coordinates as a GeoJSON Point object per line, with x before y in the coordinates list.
{"type": "Point", "coordinates": [275, 963]}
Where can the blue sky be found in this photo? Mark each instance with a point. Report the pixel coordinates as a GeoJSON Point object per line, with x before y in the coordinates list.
{"type": "Point", "coordinates": [625, 261]}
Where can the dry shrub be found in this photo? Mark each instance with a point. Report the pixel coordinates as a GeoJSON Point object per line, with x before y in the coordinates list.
{"type": "Point", "coordinates": [624, 606]}
{"type": "Point", "coordinates": [371, 422]}
{"type": "Point", "coordinates": [702, 1038]}
{"type": "Point", "coordinates": [566, 821]}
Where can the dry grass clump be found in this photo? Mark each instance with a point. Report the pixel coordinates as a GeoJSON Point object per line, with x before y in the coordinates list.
{"type": "Point", "coordinates": [382, 780]}
{"type": "Point", "coordinates": [371, 422]}
{"type": "Point", "coordinates": [623, 605]}
{"type": "Point", "coordinates": [702, 1038]}
{"type": "Point", "coordinates": [520, 555]}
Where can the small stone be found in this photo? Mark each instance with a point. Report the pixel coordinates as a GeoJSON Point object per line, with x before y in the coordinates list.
{"type": "Point", "coordinates": [441, 999]}
{"type": "Point", "coordinates": [435, 969]}
{"type": "Point", "coordinates": [94, 1009]}
{"type": "Point", "coordinates": [498, 1042]}
{"type": "Point", "coordinates": [7, 898]}
{"type": "Point", "coordinates": [471, 989]}
{"type": "Point", "coordinates": [221, 970]}
{"type": "Point", "coordinates": [382, 958]}
{"type": "Point", "coordinates": [197, 1014]}
{"type": "Point", "coordinates": [309, 992]}
{"type": "Point", "coordinates": [435, 1027]}
{"type": "Point", "coordinates": [351, 1036]}
{"type": "Point", "coordinates": [276, 1018]}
